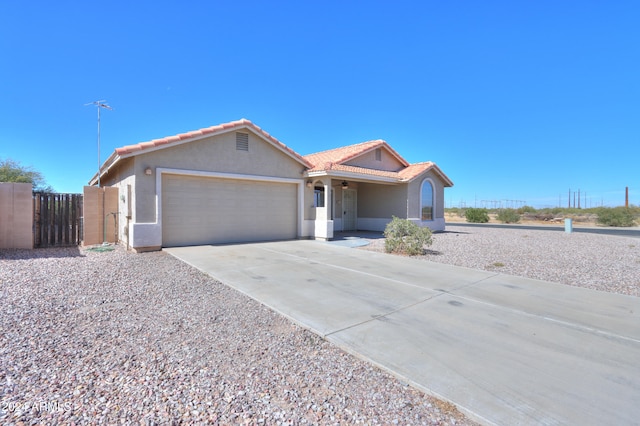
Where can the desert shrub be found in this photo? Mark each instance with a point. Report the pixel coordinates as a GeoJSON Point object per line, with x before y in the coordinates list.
{"type": "Point", "coordinates": [404, 236]}
{"type": "Point", "coordinates": [526, 209]}
{"type": "Point", "coordinates": [617, 216]}
{"type": "Point", "coordinates": [539, 216]}
{"type": "Point", "coordinates": [474, 215]}
{"type": "Point", "coordinates": [554, 211]}
{"type": "Point", "coordinates": [508, 216]}
{"type": "Point", "coordinates": [585, 218]}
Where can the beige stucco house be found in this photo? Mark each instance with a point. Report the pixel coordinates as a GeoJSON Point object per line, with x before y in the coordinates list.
{"type": "Point", "coordinates": [236, 183]}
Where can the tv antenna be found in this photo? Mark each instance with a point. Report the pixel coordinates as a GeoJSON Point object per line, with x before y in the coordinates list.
{"type": "Point", "coordinates": [100, 104]}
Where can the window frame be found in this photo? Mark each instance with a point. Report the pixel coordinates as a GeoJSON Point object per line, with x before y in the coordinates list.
{"type": "Point", "coordinates": [431, 184]}
{"type": "Point", "coordinates": [318, 196]}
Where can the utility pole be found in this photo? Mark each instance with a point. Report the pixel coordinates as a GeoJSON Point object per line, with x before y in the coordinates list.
{"type": "Point", "coordinates": [578, 198]}
{"type": "Point", "coordinates": [626, 196]}
{"type": "Point", "coordinates": [100, 104]}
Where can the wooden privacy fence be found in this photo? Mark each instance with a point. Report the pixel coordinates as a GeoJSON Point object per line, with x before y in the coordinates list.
{"type": "Point", "coordinates": [57, 219]}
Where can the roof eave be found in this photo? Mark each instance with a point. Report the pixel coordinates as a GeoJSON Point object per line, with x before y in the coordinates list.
{"type": "Point", "coordinates": [251, 127]}
{"type": "Point", "coordinates": [340, 174]}
{"type": "Point", "coordinates": [445, 179]}
{"type": "Point", "coordinates": [135, 150]}
{"type": "Point", "coordinates": [109, 163]}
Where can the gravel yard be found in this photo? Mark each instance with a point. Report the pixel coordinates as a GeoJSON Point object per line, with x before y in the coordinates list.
{"type": "Point", "coordinates": [599, 262]}
{"type": "Point", "coordinates": [122, 338]}
{"type": "Point", "coordinates": [117, 337]}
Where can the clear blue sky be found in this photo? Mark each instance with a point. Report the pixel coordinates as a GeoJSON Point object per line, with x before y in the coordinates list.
{"type": "Point", "coordinates": [514, 100]}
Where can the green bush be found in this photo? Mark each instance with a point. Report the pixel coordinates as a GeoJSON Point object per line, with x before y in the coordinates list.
{"type": "Point", "coordinates": [404, 236]}
{"type": "Point", "coordinates": [554, 211]}
{"type": "Point", "coordinates": [508, 216]}
{"type": "Point", "coordinates": [526, 209]}
{"type": "Point", "coordinates": [617, 216]}
{"type": "Point", "coordinates": [477, 215]}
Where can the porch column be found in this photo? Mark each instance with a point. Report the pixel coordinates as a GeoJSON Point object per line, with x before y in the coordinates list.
{"type": "Point", "coordinates": [323, 227]}
{"type": "Point", "coordinates": [327, 198]}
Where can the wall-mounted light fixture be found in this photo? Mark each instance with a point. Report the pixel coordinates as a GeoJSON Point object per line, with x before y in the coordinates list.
{"type": "Point", "coordinates": [148, 171]}
{"type": "Point", "coordinates": [309, 183]}
{"type": "Point", "coordinates": [345, 184]}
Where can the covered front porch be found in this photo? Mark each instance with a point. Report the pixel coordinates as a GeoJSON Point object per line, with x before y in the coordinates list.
{"type": "Point", "coordinates": [343, 205]}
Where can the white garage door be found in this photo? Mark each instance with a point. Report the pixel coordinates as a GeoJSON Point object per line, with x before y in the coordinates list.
{"type": "Point", "coordinates": [197, 210]}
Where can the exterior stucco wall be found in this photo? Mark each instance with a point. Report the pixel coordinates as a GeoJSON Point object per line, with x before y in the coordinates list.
{"type": "Point", "coordinates": [139, 211]}
{"type": "Point", "coordinates": [214, 154]}
{"type": "Point", "coordinates": [415, 187]}
{"type": "Point", "coordinates": [376, 201]}
{"type": "Point", "coordinates": [311, 212]}
{"type": "Point", "coordinates": [368, 160]}
{"type": "Point", "coordinates": [318, 221]}
{"type": "Point", "coordinates": [120, 178]}
{"type": "Point", "coordinates": [336, 187]}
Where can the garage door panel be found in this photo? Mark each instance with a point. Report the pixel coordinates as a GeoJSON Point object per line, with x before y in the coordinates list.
{"type": "Point", "coordinates": [198, 210]}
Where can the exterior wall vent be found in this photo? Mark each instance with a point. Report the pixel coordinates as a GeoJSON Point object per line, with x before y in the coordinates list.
{"type": "Point", "coordinates": [378, 154]}
{"type": "Point", "coordinates": [242, 142]}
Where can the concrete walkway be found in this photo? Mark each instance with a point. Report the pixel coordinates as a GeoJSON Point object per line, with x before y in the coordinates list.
{"type": "Point", "coordinates": [504, 349]}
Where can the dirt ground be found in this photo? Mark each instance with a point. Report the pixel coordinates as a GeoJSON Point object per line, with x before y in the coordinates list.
{"type": "Point", "coordinates": [584, 220]}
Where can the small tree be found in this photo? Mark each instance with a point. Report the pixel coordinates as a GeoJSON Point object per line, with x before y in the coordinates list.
{"type": "Point", "coordinates": [474, 215]}
{"type": "Point", "coordinates": [404, 236]}
{"type": "Point", "coordinates": [12, 171]}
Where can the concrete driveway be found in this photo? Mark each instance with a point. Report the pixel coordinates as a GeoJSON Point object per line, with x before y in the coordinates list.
{"type": "Point", "coordinates": [506, 350]}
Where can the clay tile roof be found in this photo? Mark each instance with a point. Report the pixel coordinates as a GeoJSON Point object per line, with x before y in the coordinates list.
{"type": "Point", "coordinates": [415, 170]}
{"type": "Point", "coordinates": [334, 160]}
{"type": "Point", "coordinates": [321, 160]}
{"type": "Point", "coordinates": [242, 123]}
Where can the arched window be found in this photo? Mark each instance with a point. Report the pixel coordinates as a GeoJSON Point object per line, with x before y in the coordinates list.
{"type": "Point", "coordinates": [426, 201]}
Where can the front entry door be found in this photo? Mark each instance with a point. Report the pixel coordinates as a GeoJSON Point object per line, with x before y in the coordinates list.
{"type": "Point", "coordinates": [349, 216]}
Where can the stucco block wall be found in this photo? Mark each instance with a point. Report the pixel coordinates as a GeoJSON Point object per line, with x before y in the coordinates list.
{"type": "Point", "coordinates": [97, 204]}
{"type": "Point", "coordinates": [16, 215]}
{"type": "Point", "coordinates": [121, 177]}
{"type": "Point", "coordinates": [213, 154]}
